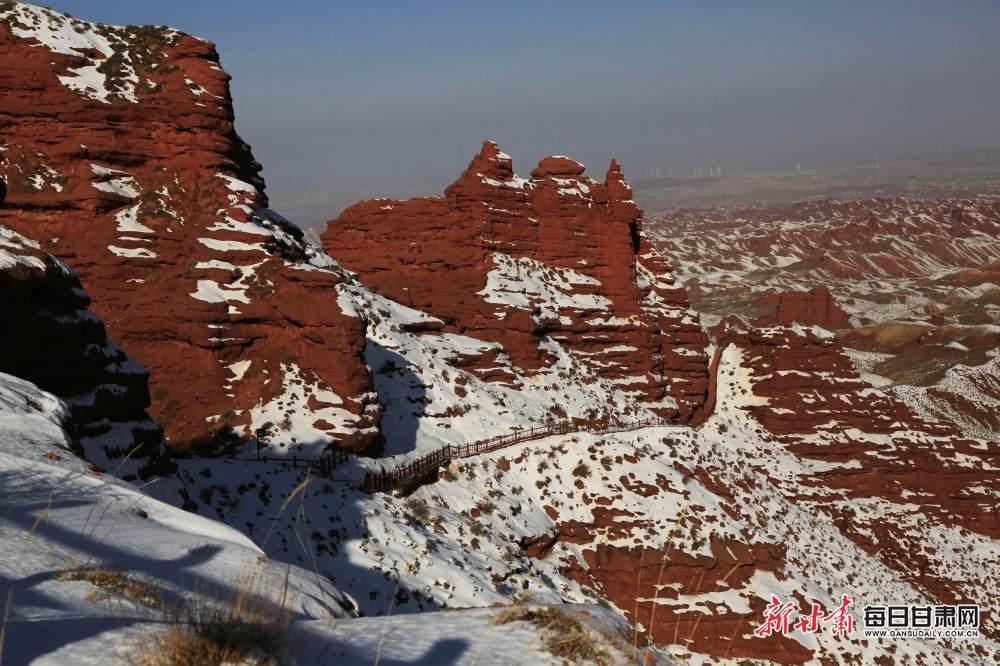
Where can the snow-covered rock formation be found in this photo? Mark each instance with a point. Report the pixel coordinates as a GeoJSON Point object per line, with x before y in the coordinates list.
{"type": "Point", "coordinates": [119, 156]}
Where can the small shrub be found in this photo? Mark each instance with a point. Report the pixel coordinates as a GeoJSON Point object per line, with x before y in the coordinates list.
{"type": "Point", "coordinates": [387, 368]}
{"type": "Point", "coordinates": [264, 494]}
{"type": "Point", "coordinates": [417, 509]}
{"type": "Point", "coordinates": [582, 470]}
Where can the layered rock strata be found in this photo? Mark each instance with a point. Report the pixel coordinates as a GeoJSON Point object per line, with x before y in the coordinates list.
{"type": "Point", "coordinates": [880, 468]}
{"type": "Point", "coordinates": [120, 157]}
{"type": "Point", "coordinates": [914, 288]}
{"type": "Point", "coordinates": [815, 307]}
{"type": "Point", "coordinates": [557, 256]}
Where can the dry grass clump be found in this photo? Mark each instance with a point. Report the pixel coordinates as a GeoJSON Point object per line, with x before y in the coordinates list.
{"type": "Point", "coordinates": [251, 630]}
{"type": "Point", "coordinates": [115, 581]}
{"type": "Point", "coordinates": [417, 509]}
{"type": "Point", "coordinates": [562, 634]}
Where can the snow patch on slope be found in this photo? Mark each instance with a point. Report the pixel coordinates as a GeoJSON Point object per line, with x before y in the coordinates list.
{"type": "Point", "coordinates": [62, 34]}
{"type": "Point", "coordinates": [58, 513]}
{"type": "Point", "coordinates": [541, 289]}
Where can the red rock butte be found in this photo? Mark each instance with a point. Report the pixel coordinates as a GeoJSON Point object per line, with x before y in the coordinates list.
{"type": "Point", "coordinates": [815, 307]}
{"type": "Point", "coordinates": [515, 261]}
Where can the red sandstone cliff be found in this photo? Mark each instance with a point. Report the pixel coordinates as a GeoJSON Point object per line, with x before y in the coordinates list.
{"type": "Point", "coordinates": [515, 261]}
{"type": "Point", "coordinates": [50, 338]}
{"type": "Point", "coordinates": [119, 155]}
{"type": "Point", "coordinates": [916, 277]}
{"type": "Point", "coordinates": [815, 307]}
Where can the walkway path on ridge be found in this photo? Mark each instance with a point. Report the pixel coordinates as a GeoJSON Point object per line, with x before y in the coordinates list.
{"type": "Point", "coordinates": [410, 474]}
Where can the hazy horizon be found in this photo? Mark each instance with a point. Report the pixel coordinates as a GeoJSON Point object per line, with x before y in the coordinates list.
{"type": "Point", "coordinates": [384, 95]}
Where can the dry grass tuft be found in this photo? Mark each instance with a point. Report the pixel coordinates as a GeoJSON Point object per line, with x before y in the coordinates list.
{"type": "Point", "coordinates": [115, 581]}
{"type": "Point", "coordinates": [212, 636]}
{"type": "Point", "coordinates": [250, 630]}
{"type": "Point", "coordinates": [563, 635]}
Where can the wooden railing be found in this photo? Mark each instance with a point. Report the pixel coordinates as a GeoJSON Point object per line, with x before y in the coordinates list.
{"type": "Point", "coordinates": [415, 471]}
{"type": "Point", "coordinates": [409, 474]}
{"type": "Point", "coordinates": [323, 466]}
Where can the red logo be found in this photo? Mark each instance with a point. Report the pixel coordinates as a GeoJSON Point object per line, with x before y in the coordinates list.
{"type": "Point", "coordinates": [778, 613]}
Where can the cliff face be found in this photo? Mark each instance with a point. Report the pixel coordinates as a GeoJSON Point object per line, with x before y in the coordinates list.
{"type": "Point", "coordinates": [50, 338]}
{"type": "Point", "coordinates": [802, 480]}
{"type": "Point", "coordinates": [120, 156]}
{"type": "Point", "coordinates": [517, 261]}
{"type": "Point", "coordinates": [815, 307]}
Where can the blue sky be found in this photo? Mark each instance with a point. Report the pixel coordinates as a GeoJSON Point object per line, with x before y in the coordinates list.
{"type": "Point", "coordinates": [403, 93]}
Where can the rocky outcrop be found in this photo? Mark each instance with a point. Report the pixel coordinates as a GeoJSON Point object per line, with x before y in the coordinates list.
{"type": "Point", "coordinates": [50, 338]}
{"type": "Point", "coordinates": [874, 455]}
{"type": "Point", "coordinates": [809, 386]}
{"type": "Point", "coordinates": [648, 584]}
{"type": "Point", "coordinates": [121, 158]}
{"type": "Point", "coordinates": [912, 286]}
{"type": "Point", "coordinates": [815, 307]}
{"type": "Point", "coordinates": [517, 261]}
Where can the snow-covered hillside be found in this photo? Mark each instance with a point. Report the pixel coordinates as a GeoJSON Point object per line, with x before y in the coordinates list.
{"type": "Point", "coordinates": [687, 531]}
{"type": "Point", "coordinates": [63, 523]}
{"type": "Point", "coordinates": [94, 571]}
